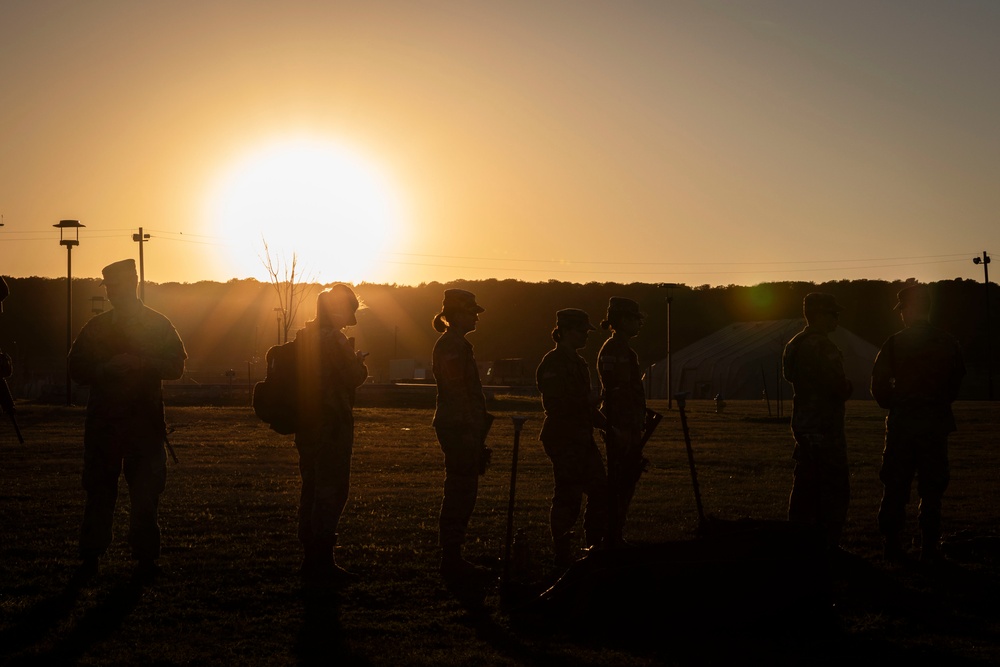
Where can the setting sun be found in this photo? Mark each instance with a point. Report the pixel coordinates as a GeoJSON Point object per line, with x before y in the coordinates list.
{"type": "Point", "coordinates": [320, 200]}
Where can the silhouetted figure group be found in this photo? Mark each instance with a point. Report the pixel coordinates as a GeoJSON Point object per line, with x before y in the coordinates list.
{"type": "Point", "coordinates": [916, 376]}
{"type": "Point", "coordinates": [126, 353]}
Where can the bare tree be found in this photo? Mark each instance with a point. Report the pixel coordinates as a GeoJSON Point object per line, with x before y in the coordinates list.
{"type": "Point", "coordinates": [287, 281]}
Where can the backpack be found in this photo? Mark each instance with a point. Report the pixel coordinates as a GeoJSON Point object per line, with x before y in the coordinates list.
{"type": "Point", "coordinates": [275, 397]}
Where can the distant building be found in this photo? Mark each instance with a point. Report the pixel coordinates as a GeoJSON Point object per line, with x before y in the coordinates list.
{"type": "Point", "coordinates": [742, 360]}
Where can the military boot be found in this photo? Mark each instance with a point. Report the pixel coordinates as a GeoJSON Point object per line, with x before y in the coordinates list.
{"type": "Point", "coordinates": [929, 548]}
{"type": "Point", "coordinates": [892, 550]}
{"type": "Point", "coordinates": [454, 566]}
{"type": "Point", "coordinates": [562, 546]}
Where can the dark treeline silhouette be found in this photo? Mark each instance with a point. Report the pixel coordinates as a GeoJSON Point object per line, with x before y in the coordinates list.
{"type": "Point", "coordinates": [227, 325]}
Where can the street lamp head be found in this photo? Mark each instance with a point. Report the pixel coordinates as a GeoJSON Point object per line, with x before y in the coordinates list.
{"type": "Point", "coordinates": [63, 235]}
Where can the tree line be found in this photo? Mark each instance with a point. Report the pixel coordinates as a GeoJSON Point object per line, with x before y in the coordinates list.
{"type": "Point", "coordinates": [231, 325]}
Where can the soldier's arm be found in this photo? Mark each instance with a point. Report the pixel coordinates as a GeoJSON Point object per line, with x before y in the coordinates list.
{"type": "Point", "coordinates": [166, 359]}
{"type": "Point", "coordinates": [86, 365]}
{"type": "Point", "coordinates": [881, 387]}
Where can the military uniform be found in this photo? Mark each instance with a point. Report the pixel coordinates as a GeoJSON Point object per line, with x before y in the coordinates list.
{"type": "Point", "coordinates": [461, 421]}
{"type": "Point", "coordinates": [623, 406]}
{"type": "Point", "coordinates": [567, 436]}
{"type": "Point", "coordinates": [329, 373]}
{"type": "Point", "coordinates": [125, 428]}
{"type": "Point", "coordinates": [916, 376]}
{"type": "Point", "coordinates": [821, 485]}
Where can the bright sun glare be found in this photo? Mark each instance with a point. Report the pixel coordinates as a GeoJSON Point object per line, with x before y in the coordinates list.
{"type": "Point", "coordinates": [318, 199]}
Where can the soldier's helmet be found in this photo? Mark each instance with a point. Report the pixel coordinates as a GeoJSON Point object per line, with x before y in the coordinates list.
{"type": "Point", "coordinates": [338, 300]}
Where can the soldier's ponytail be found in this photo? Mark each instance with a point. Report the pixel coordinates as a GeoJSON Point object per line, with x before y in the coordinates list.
{"type": "Point", "coordinates": [439, 322]}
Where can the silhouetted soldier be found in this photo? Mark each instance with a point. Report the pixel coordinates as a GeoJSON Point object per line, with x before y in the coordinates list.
{"type": "Point", "coordinates": [124, 355]}
{"type": "Point", "coordinates": [461, 422]}
{"type": "Point", "coordinates": [623, 404]}
{"type": "Point", "coordinates": [330, 371]}
{"type": "Point", "coordinates": [821, 486]}
{"type": "Point", "coordinates": [916, 376]}
{"type": "Point", "coordinates": [568, 437]}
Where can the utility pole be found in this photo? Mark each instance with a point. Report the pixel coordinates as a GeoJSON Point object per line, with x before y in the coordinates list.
{"type": "Point", "coordinates": [141, 238]}
{"type": "Point", "coordinates": [670, 383]}
{"type": "Point", "coordinates": [985, 261]}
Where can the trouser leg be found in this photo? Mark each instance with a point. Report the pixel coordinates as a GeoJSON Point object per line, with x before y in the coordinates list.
{"type": "Point", "coordinates": [146, 475]}
{"type": "Point", "coordinates": [100, 481]}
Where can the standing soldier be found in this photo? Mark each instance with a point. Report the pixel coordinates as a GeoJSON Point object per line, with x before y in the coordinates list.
{"type": "Point", "coordinates": [568, 437]}
{"type": "Point", "coordinates": [821, 486]}
{"type": "Point", "coordinates": [461, 422]}
{"type": "Point", "coordinates": [917, 375]}
{"type": "Point", "coordinates": [124, 355]}
{"type": "Point", "coordinates": [623, 405]}
{"type": "Point", "coordinates": [329, 372]}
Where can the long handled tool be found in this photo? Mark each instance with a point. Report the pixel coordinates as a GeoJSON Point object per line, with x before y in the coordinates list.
{"type": "Point", "coordinates": [518, 425]}
{"type": "Point", "coordinates": [680, 398]}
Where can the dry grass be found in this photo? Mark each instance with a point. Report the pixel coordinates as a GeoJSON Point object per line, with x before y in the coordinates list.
{"type": "Point", "coordinates": [229, 593]}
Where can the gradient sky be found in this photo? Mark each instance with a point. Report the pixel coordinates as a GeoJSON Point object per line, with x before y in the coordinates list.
{"type": "Point", "coordinates": [696, 142]}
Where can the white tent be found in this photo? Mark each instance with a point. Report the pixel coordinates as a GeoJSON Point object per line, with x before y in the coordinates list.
{"type": "Point", "coordinates": [743, 360]}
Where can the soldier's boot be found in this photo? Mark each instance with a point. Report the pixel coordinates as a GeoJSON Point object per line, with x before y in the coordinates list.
{"type": "Point", "coordinates": [86, 571]}
{"type": "Point", "coordinates": [454, 566]}
{"type": "Point", "coordinates": [339, 575]}
{"type": "Point", "coordinates": [892, 550]}
{"type": "Point", "coordinates": [562, 546]}
{"type": "Point", "coordinates": [929, 547]}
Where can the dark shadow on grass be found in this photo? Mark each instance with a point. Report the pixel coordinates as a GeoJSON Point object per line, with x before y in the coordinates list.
{"type": "Point", "coordinates": [96, 625]}
{"type": "Point", "coordinates": [322, 640]}
{"type": "Point", "coordinates": [38, 621]}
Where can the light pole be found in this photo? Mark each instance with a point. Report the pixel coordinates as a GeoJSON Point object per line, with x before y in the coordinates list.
{"type": "Point", "coordinates": [141, 238]}
{"type": "Point", "coordinates": [670, 384]}
{"type": "Point", "coordinates": [277, 314]}
{"type": "Point", "coordinates": [985, 261]}
{"type": "Point", "coordinates": [64, 226]}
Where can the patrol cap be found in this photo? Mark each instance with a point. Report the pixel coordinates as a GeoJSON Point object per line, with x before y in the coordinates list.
{"type": "Point", "coordinates": [4, 292]}
{"type": "Point", "coordinates": [119, 271]}
{"type": "Point", "coordinates": [913, 295]}
{"type": "Point", "coordinates": [339, 300]}
{"type": "Point", "coordinates": [573, 318]}
{"type": "Point", "coordinates": [619, 305]}
{"type": "Point", "coordinates": [818, 302]}
{"type": "Point", "coordinates": [460, 299]}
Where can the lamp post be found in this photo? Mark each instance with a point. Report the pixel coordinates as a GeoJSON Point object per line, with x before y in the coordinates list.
{"type": "Point", "coordinates": [670, 384]}
{"type": "Point", "coordinates": [985, 261]}
{"type": "Point", "coordinates": [141, 238]}
{"type": "Point", "coordinates": [64, 227]}
{"type": "Point", "coordinates": [278, 312]}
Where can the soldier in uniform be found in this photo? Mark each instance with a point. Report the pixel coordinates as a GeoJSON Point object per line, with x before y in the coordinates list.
{"type": "Point", "coordinates": [461, 423]}
{"type": "Point", "coordinates": [916, 376]}
{"type": "Point", "coordinates": [124, 355]}
{"type": "Point", "coordinates": [623, 406]}
{"type": "Point", "coordinates": [568, 437]}
{"type": "Point", "coordinates": [814, 366]}
{"type": "Point", "coordinates": [329, 372]}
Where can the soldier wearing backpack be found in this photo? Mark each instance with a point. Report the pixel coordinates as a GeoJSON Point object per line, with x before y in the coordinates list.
{"type": "Point", "coordinates": [329, 372]}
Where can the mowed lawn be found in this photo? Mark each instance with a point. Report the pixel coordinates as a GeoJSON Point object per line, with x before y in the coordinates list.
{"type": "Point", "coordinates": [229, 592]}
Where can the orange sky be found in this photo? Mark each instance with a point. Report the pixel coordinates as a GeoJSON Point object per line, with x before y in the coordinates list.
{"type": "Point", "coordinates": [704, 143]}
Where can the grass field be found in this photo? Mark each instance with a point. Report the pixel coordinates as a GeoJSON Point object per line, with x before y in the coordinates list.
{"type": "Point", "coordinates": [229, 592]}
